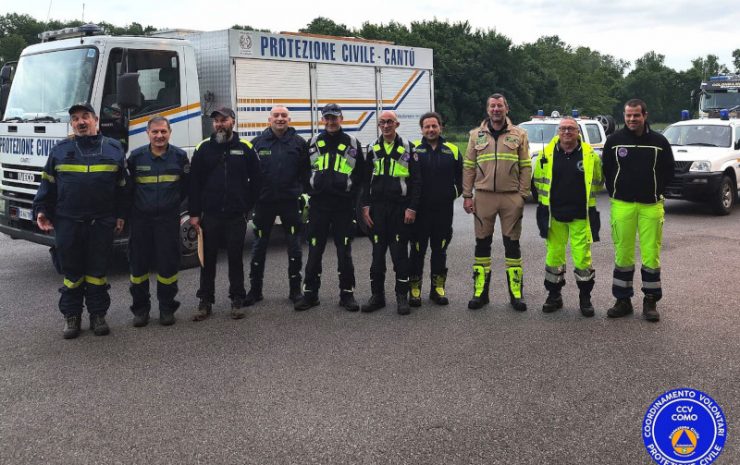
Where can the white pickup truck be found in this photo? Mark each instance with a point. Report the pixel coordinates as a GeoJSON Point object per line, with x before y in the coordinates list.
{"type": "Point", "coordinates": [707, 161]}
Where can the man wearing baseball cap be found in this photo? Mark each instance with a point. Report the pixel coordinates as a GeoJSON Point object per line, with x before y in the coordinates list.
{"type": "Point", "coordinates": [224, 185]}
{"type": "Point", "coordinates": [337, 172]}
{"type": "Point", "coordinates": [89, 169]}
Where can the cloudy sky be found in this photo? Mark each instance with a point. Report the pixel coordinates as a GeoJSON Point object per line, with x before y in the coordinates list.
{"type": "Point", "coordinates": [679, 29]}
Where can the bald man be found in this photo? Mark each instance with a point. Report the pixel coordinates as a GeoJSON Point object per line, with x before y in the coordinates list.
{"type": "Point", "coordinates": [389, 205]}
{"type": "Point", "coordinates": [285, 168]}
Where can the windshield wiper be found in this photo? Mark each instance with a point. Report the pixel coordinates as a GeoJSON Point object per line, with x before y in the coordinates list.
{"type": "Point", "coordinates": [44, 119]}
{"type": "Point", "coordinates": [13, 119]}
{"type": "Point", "coordinates": [703, 144]}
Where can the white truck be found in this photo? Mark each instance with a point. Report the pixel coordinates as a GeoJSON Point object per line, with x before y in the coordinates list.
{"type": "Point", "coordinates": [183, 75]}
{"type": "Point", "coordinates": [707, 160]}
{"type": "Point", "coordinates": [718, 93]}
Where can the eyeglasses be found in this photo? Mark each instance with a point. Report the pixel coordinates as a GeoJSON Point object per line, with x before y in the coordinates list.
{"type": "Point", "coordinates": [567, 129]}
{"type": "Point", "coordinates": [386, 122]}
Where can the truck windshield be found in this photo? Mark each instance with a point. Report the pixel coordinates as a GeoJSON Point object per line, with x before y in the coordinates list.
{"type": "Point", "coordinates": [712, 100]}
{"type": "Point", "coordinates": [540, 132]}
{"type": "Point", "coordinates": [700, 135]}
{"type": "Point", "coordinates": [47, 84]}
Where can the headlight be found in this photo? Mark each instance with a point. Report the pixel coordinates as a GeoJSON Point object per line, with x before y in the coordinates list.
{"type": "Point", "coordinates": [701, 166]}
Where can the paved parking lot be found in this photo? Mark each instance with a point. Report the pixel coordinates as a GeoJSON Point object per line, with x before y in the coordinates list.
{"type": "Point", "coordinates": [441, 386]}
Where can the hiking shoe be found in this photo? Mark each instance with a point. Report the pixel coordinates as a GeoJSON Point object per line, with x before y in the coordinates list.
{"type": "Point", "coordinates": [308, 300]}
{"type": "Point", "coordinates": [553, 303]}
{"type": "Point", "coordinates": [622, 307]}
{"type": "Point", "coordinates": [348, 302]}
{"type": "Point", "coordinates": [98, 325]}
{"type": "Point", "coordinates": [376, 302]}
{"type": "Point", "coordinates": [649, 310]}
{"type": "Point", "coordinates": [72, 326]}
{"type": "Point", "coordinates": [252, 298]}
{"type": "Point", "coordinates": [203, 311]}
{"type": "Point", "coordinates": [236, 309]}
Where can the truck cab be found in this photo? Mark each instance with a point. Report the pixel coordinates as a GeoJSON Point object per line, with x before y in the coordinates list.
{"type": "Point", "coordinates": [707, 161]}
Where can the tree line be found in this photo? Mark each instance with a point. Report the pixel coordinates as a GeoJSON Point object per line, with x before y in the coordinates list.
{"type": "Point", "coordinates": [470, 64]}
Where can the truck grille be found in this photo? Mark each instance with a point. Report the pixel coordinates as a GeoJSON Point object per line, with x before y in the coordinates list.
{"type": "Point", "coordinates": [21, 177]}
{"type": "Point", "coordinates": [682, 166]}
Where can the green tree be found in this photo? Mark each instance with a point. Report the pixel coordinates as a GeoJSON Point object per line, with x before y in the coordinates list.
{"type": "Point", "coordinates": [326, 26]}
{"type": "Point", "coordinates": [736, 59]}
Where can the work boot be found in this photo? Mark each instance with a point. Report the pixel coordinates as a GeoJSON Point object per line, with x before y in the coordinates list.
{"type": "Point", "coordinates": [437, 291]}
{"type": "Point", "coordinates": [402, 304]}
{"type": "Point", "coordinates": [622, 307]}
{"type": "Point", "coordinates": [98, 325]}
{"type": "Point", "coordinates": [236, 308]}
{"type": "Point", "coordinates": [72, 325]}
{"type": "Point", "coordinates": [308, 299]}
{"type": "Point", "coordinates": [295, 290]}
{"type": "Point", "coordinates": [347, 300]}
{"type": "Point", "coordinates": [481, 282]}
{"type": "Point", "coordinates": [587, 308]}
{"type": "Point", "coordinates": [203, 311]}
{"type": "Point", "coordinates": [415, 291]}
{"type": "Point", "coordinates": [553, 302]}
{"type": "Point", "coordinates": [253, 296]}
{"type": "Point", "coordinates": [376, 302]}
{"type": "Point", "coordinates": [649, 310]}
{"type": "Point", "coordinates": [141, 320]}
{"type": "Point", "coordinates": [167, 313]}
{"type": "Point", "coordinates": [515, 280]}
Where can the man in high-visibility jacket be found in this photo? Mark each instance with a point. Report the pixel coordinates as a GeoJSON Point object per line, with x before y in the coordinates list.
{"type": "Point", "coordinates": [389, 206]}
{"type": "Point", "coordinates": [567, 177]}
{"type": "Point", "coordinates": [83, 199]}
{"type": "Point", "coordinates": [498, 167]}
{"type": "Point", "coordinates": [638, 164]}
{"type": "Point", "coordinates": [441, 168]}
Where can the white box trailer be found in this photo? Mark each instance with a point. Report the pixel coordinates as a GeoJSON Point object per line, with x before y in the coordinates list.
{"type": "Point", "coordinates": [183, 75]}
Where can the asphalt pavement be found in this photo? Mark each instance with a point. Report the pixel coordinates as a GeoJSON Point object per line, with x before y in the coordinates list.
{"type": "Point", "coordinates": [444, 385]}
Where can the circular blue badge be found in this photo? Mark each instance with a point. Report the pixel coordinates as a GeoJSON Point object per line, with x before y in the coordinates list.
{"type": "Point", "coordinates": [684, 426]}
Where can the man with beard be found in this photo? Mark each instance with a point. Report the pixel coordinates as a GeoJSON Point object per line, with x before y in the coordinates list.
{"type": "Point", "coordinates": [337, 172]}
{"type": "Point", "coordinates": [441, 169]}
{"type": "Point", "coordinates": [389, 206]}
{"type": "Point", "coordinates": [497, 165]}
{"type": "Point", "coordinates": [82, 198]}
{"type": "Point", "coordinates": [224, 187]}
{"type": "Point", "coordinates": [159, 175]}
{"type": "Point", "coordinates": [284, 168]}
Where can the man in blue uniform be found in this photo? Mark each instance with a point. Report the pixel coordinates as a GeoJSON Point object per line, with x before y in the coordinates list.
{"type": "Point", "coordinates": [441, 169]}
{"type": "Point", "coordinates": [82, 197]}
{"type": "Point", "coordinates": [283, 156]}
{"type": "Point", "coordinates": [224, 185]}
{"type": "Point", "coordinates": [337, 172]}
{"type": "Point", "coordinates": [159, 173]}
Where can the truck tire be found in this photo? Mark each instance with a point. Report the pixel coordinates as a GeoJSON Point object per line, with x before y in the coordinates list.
{"type": "Point", "coordinates": [608, 123]}
{"type": "Point", "coordinates": [188, 243]}
{"type": "Point", "coordinates": [724, 198]}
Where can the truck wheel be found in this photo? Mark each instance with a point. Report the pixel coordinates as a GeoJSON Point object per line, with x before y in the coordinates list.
{"type": "Point", "coordinates": [724, 198]}
{"type": "Point", "coordinates": [188, 243]}
{"type": "Point", "coordinates": [607, 122]}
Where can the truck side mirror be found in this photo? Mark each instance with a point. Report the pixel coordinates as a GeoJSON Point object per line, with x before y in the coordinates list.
{"type": "Point", "coordinates": [5, 74]}
{"type": "Point", "coordinates": [129, 91]}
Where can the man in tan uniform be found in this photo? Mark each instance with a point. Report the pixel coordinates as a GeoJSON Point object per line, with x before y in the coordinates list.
{"type": "Point", "coordinates": [498, 167]}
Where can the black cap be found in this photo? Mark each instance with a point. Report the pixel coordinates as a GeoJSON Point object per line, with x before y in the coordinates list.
{"type": "Point", "coordinates": [331, 109]}
{"type": "Point", "coordinates": [81, 106]}
{"type": "Point", "coordinates": [223, 111]}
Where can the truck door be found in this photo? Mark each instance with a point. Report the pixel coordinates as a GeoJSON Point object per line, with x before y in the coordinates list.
{"type": "Point", "coordinates": [160, 82]}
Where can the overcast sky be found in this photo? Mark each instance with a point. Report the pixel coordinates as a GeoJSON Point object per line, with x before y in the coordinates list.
{"type": "Point", "coordinates": [679, 29]}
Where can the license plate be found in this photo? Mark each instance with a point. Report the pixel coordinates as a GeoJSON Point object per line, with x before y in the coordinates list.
{"type": "Point", "coordinates": [26, 177]}
{"type": "Point", "coordinates": [25, 214]}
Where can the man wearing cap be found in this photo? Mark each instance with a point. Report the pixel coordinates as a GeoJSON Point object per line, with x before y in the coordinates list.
{"type": "Point", "coordinates": [283, 159]}
{"type": "Point", "coordinates": [159, 176]}
{"type": "Point", "coordinates": [82, 198]}
{"type": "Point", "coordinates": [224, 185]}
{"type": "Point", "coordinates": [389, 205]}
{"type": "Point", "coordinates": [337, 172]}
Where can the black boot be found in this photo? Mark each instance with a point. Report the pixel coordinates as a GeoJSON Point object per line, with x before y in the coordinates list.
{"type": "Point", "coordinates": [253, 296]}
{"type": "Point", "coordinates": [72, 326]}
{"type": "Point", "coordinates": [141, 320]}
{"type": "Point", "coordinates": [481, 282]}
{"type": "Point", "coordinates": [585, 287]}
{"type": "Point", "coordinates": [295, 289]}
{"type": "Point", "coordinates": [376, 302]}
{"type": "Point", "coordinates": [402, 304]}
{"type": "Point", "coordinates": [553, 302]}
{"type": "Point", "coordinates": [622, 307]}
{"type": "Point", "coordinates": [437, 292]}
{"type": "Point", "coordinates": [587, 308]}
{"type": "Point", "coordinates": [307, 300]}
{"type": "Point", "coordinates": [415, 291]}
{"type": "Point", "coordinates": [348, 302]}
{"type": "Point", "coordinates": [649, 309]}
{"type": "Point", "coordinates": [98, 325]}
